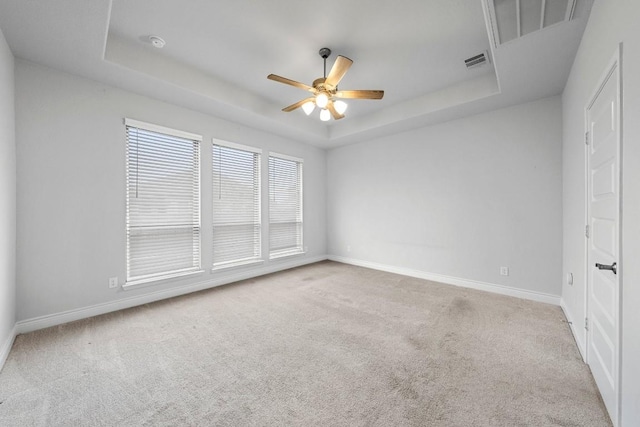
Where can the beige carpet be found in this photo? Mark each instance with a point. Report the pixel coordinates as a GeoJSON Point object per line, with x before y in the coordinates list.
{"type": "Point", "coordinates": [322, 345]}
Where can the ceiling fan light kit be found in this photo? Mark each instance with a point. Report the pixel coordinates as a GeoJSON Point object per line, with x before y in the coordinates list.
{"type": "Point", "coordinates": [308, 107]}
{"type": "Point", "coordinates": [341, 106]}
{"type": "Point", "coordinates": [322, 99]}
{"type": "Point", "coordinates": [325, 116]}
{"type": "Point", "coordinates": [325, 90]}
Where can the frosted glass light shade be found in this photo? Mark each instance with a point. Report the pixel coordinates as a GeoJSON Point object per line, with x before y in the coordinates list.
{"type": "Point", "coordinates": [325, 115]}
{"type": "Point", "coordinates": [322, 99]}
{"type": "Point", "coordinates": [308, 107]}
{"type": "Point", "coordinates": [341, 106]}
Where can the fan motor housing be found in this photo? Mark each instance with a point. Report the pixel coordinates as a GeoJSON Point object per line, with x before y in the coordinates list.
{"type": "Point", "coordinates": [318, 84]}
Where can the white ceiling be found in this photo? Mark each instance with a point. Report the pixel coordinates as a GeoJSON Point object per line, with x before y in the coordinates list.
{"type": "Point", "coordinates": [218, 55]}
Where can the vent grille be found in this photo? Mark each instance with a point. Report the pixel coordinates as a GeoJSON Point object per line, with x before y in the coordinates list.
{"type": "Point", "coordinates": [477, 60]}
{"type": "Point", "coordinates": [512, 19]}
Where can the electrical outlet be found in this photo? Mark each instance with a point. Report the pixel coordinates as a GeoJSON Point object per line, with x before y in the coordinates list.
{"type": "Point", "coordinates": [504, 271]}
{"type": "Point", "coordinates": [113, 282]}
{"type": "Point", "coordinates": [348, 248]}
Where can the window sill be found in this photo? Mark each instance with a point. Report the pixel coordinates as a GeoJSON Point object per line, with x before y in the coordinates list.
{"type": "Point", "coordinates": [232, 265]}
{"type": "Point", "coordinates": [153, 280]}
{"type": "Point", "coordinates": [286, 255]}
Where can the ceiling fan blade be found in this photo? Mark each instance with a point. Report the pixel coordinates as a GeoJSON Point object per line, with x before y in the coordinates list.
{"type": "Point", "coordinates": [360, 94]}
{"type": "Point", "coordinates": [297, 105]}
{"type": "Point", "coordinates": [339, 69]}
{"type": "Point", "coordinates": [334, 113]}
{"type": "Point", "coordinates": [290, 82]}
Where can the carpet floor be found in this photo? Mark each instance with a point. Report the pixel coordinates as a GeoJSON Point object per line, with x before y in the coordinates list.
{"type": "Point", "coordinates": [322, 345]}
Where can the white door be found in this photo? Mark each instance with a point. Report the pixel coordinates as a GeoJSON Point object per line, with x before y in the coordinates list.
{"type": "Point", "coordinates": [603, 206]}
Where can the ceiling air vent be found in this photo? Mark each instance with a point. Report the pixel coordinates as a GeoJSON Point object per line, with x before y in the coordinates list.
{"type": "Point", "coordinates": [512, 19]}
{"type": "Point", "coordinates": [477, 60]}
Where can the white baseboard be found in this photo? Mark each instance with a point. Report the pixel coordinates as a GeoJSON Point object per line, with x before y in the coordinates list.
{"type": "Point", "coordinates": [572, 325]}
{"type": "Point", "coordinates": [55, 319]}
{"type": "Point", "coordinates": [466, 283]}
{"type": "Point", "coordinates": [6, 347]}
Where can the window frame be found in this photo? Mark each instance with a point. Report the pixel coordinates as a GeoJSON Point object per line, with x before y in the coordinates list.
{"type": "Point", "coordinates": [258, 177]}
{"type": "Point", "coordinates": [131, 280]}
{"type": "Point", "coordinates": [299, 249]}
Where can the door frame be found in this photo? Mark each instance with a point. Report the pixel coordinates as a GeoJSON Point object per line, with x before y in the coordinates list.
{"type": "Point", "coordinates": [613, 68]}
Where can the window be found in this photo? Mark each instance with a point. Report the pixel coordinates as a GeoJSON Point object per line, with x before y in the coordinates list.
{"type": "Point", "coordinates": [163, 202]}
{"type": "Point", "coordinates": [236, 204]}
{"type": "Point", "coordinates": [285, 206]}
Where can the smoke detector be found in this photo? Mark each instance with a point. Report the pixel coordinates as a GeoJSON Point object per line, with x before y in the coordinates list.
{"type": "Point", "coordinates": [157, 41]}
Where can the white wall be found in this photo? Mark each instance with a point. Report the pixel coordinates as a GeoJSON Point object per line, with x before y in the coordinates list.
{"type": "Point", "coordinates": [611, 22]}
{"type": "Point", "coordinates": [7, 199]}
{"type": "Point", "coordinates": [459, 199]}
{"type": "Point", "coordinates": [71, 190]}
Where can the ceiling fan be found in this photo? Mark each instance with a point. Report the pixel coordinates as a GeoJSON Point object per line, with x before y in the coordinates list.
{"type": "Point", "coordinates": [325, 90]}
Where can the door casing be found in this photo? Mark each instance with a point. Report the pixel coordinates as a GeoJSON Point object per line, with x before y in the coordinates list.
{"type": "Point", "coordinates": [613, 70]}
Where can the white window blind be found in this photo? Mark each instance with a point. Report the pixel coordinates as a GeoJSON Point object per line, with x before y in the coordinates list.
{"type": "Point", "coordinates": [285, 206]}
{"type": "Point", "coordinates": [163, 202]}
{"type": "Point", "coordinates": [236, 204]}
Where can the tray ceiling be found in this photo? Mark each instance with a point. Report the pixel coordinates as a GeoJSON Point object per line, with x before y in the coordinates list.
{"type": "Point", "coordinates": [218, 54]}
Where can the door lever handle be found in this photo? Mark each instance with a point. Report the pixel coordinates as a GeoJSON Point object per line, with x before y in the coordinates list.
{"type": "Point", "coordinates": [613, 267]}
